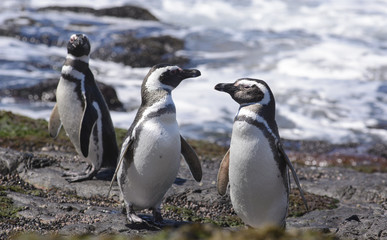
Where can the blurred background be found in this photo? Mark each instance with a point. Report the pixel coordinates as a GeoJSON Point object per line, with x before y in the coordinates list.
{"type": "Point", "coordinates": [325, 61]}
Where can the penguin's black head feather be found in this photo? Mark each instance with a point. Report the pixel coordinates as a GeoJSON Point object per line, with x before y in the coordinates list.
{"type": "Point", "coordinates": [248, 91]}
{"type": "Point", "coordinates": [78, 45]}
{"type": "Point", "coordinates": [167, 77]}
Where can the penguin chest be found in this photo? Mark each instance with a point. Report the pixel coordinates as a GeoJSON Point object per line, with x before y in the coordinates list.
{"type": "Point", "coordinates": [257, 189]}
{"type": "Point", "coordinates": [70, 109]}
{"type": "Point", "coordinates": [156, 161]}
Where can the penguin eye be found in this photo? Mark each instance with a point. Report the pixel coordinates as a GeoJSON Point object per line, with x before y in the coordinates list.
{"type": "Point", "coordinates": [72, 39]}
{"type": "Point", "coordinates": [174, 71]}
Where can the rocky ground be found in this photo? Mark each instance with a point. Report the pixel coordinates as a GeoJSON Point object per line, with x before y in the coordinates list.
{"type": "Point", "coordinates": [344, 203]}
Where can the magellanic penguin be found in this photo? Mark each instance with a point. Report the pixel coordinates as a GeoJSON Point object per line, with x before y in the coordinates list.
{"type": "Point", "coordinates": [256, 165]}
{"type": "Point", "coordinates": [82, 110]}
{"type": "Point", "coordinates": [150, 155]}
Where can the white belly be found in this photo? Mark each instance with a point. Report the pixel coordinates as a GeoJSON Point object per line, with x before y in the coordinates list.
{"type": "Point", "coordinates": [156, 163]}
{"type": "Point", "coordinates": [71, 113]}
{"type": "Point", "coordinates": [257, 189]}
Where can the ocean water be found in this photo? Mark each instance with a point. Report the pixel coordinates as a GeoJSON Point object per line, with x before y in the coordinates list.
{"type": "Point", "coordinates": [325, 61]}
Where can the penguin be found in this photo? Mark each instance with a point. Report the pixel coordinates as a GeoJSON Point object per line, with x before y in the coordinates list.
{"type": "Point", "coordinates": [82, 111]}
{"type": "Point", "coordinates": [150, 155]}
{"type": "Point", "coordinates": [256, 165]}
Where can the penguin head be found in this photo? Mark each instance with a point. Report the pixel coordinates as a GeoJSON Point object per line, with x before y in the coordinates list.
{"type": "Point", "coordinates": [167, 77]}
{"type": "Point", "coordinates": [78, 45]}
{"type": "Point", "coordinates": [246, 91]}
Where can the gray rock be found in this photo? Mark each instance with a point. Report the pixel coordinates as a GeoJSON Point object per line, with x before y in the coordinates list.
{"type": "Point", "coordinates": [345, 184]}
{"type": "Point", "coordinates": [45, 91]}
{"type": "Point", "coordinates": [362, 196]}
{"type": "Point", "coordinates": [10, 160]}
{"type": "Point", "coordinates": [126, 11]}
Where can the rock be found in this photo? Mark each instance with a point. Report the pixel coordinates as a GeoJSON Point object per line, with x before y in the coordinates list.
{"type": "Point", "coordinates": [348, 185]}
{"type": "Point", "coordinates": [122, 47]}
{"type": "Point", "coordinates": [46, 91]}
{"type": "Point", "coordinates": [360, 194]}
{"type": "Point", "coordinates": [141, 52]}
{"type": "Point", "coordinates": [126, 11]}
{"type": "Point", "coordinates": [10, 160]}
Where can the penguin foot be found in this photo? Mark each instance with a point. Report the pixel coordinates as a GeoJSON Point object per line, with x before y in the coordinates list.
{"type": "Point", "coordinates": [131, 214]}
{"type": "Point", "coordinates": [88, 174]}
{"type": "Point", "coordinates": [157, 218]}
{"type": "Point", "coordinates": [133, 218]}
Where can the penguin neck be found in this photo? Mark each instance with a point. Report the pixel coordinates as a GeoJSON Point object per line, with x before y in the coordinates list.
{"type": "Point", "coordinates": [266, 111]}
{"type": "Point", "coordinates": [80, 64]}
{"type": "Point", "coordinates": [84, 58]}
{"type": "Point", "coordinates": [260, 113]}
{"type": "Point", "coordinates": [149, 98]}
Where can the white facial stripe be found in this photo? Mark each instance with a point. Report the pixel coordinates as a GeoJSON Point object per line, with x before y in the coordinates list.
{"type": "Point", "coordinates": [153, 81]}
{"type": "Point", "coordinates": [246, 82]}
{"type": "Point", "coordinates": [266, 93]}
{"type": "Point", "coordinates": [243, 111]}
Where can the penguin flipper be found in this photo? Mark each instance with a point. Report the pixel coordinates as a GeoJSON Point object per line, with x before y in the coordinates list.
{"type": "Point", "coordinates": [222, 178]}
{"type": "Point", "coordinates": [125, 146]}
{"type": "Point", "coordinates": [290, 165]}
{"type": "Point", "coordinates": [88, 121]}
{"type": "Point", "coordinates": [54, 123]}
{"type": "Point", "coordinates": [192, 159]}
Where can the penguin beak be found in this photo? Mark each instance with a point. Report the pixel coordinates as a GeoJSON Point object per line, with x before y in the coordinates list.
{"type": "Point", "coordinates": [226, 87]}
{"type": "Point", "coordinates": [189, 73]}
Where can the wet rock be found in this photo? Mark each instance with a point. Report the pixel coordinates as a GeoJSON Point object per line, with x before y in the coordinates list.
{"type": "Point", "coordinates": [126, 11]}
{"type": "Point", "coordinates": [46, 91]}
{"type": "Point", "coordinates": [136, 50]}
{"type": "Point", "coordinates": [142, 52]}
{"type": "Point", "coordinates": [379, 149]}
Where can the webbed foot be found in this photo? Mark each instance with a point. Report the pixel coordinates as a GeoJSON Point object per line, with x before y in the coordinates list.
{"type": "Point", "coordinates": [131, 214]}
{"type": "Point", "coordinates": [87, 174]}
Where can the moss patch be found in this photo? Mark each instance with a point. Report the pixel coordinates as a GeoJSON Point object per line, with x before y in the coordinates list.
{"type": "Point", "coordinates": [189, 215]}
{"type": "Point", "coordinates": [207, 149]}
{"type": "Point", "coordinates": [120, 136]}
{"type": "Point", "coordinates": [26, 134]}
{"type": "Point", "coordinates": [7, 209]}
{"type": "Point", "coordinates": [315, 202]}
